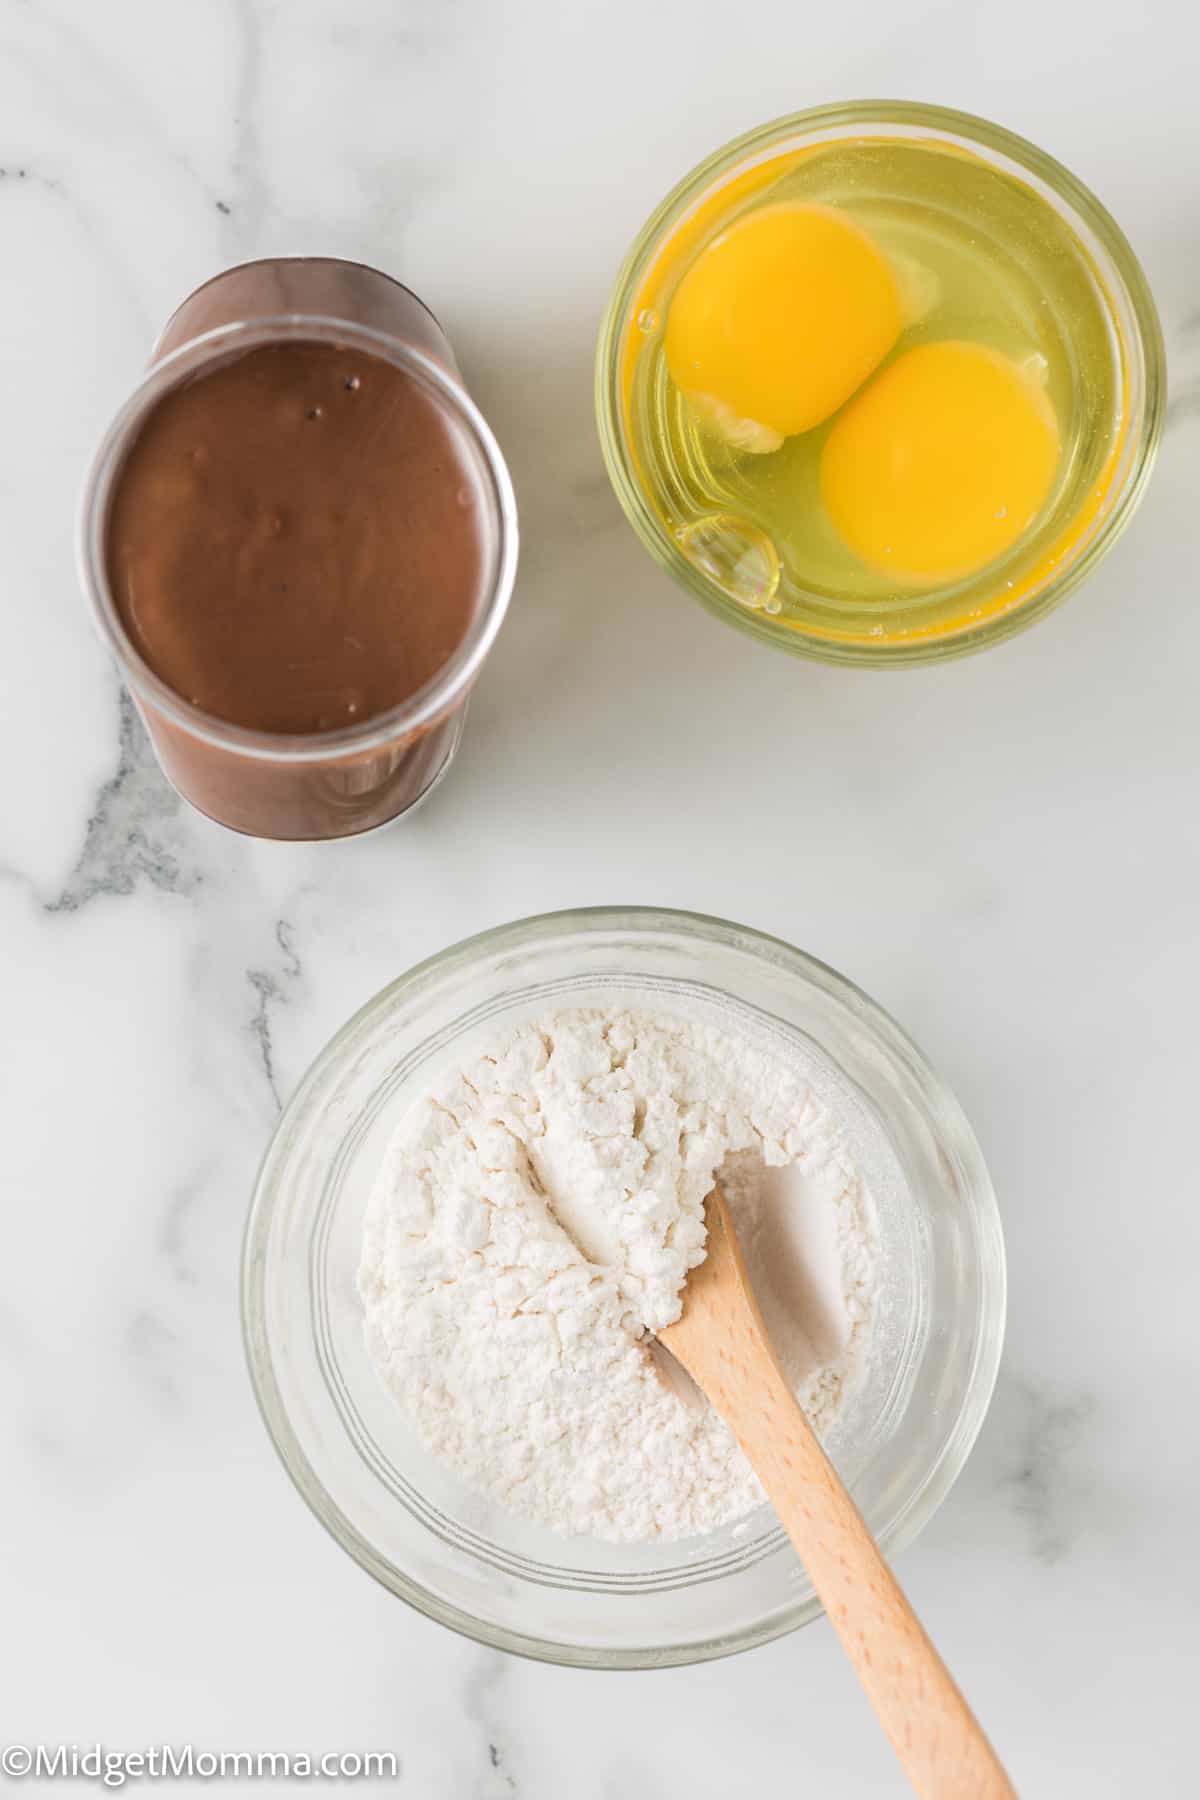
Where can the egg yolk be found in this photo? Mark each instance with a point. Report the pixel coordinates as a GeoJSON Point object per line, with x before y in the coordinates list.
{"type": "Point", "coordinates": [941, 463]}
{"type": "Point", "coordinates": [780, 319]}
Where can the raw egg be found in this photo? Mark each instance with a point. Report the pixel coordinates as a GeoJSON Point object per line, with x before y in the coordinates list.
{"type": "Point", "coordinates": [779, 320]}
{"type": "Point", "coordinates": [941, 463]}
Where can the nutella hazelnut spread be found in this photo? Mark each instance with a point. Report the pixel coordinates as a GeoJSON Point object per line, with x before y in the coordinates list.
{"type": "Point", "coordinates": [295, 541]}
{"type": "Point", "coordinates": [302, 527]}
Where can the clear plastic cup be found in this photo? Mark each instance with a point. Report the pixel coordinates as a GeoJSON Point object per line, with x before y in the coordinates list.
{"type": "Point", "coordinates": [348, 781]}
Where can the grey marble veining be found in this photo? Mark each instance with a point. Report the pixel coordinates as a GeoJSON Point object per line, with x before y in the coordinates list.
{"type": "Point", "coordinates": [131, 835]}
{"type": "Point", "coordinates": [1043, 1472]}
{"type": "Point", "coordinates": [1184, 403]}
{"type": "Point", "coordinates": [1003, 851]}
{"type": "Point", "coordinates": [272, 986]}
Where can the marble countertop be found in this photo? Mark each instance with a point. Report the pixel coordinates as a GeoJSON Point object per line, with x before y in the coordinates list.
{"type": "Point", "coordinates": [1002, 851]}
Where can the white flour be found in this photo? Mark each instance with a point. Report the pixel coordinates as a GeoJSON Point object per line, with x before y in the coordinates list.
{"type": "Point", "coordinates": [536, 1217]}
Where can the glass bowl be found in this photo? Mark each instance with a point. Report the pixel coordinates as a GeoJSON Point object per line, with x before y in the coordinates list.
{"type": "Point", "coordinates": [986, 608]}
{"type": "Point", "coordinates": [452, 1553]}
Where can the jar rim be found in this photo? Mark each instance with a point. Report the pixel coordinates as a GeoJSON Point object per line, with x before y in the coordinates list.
{"type": "Point", "coordinates": [446, 689]}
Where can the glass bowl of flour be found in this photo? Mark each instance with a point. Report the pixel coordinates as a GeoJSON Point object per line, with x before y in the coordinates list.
{"type": "Point", "coordinates": [486, 1195]}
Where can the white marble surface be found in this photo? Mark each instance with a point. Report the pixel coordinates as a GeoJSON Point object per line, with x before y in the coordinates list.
{"type": "Point", "coordinates": [1003, 851]}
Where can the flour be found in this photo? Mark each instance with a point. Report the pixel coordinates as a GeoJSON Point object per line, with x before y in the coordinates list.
{"type": "Point", "coordinates": [535, 1219]}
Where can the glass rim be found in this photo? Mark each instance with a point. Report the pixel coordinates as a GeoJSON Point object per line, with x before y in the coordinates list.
{"type": "Point", "coordinates": [979, 1199]}
{"type": "Point", "coordinates": [934, 123]}
{"type": "Point", "coordinates": [446, 689]}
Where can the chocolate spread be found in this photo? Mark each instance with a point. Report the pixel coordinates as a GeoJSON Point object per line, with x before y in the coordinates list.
{"type": "Point", "coordinates": [309, 537]}
{"type": "Point", "coordinates": [294, 542]}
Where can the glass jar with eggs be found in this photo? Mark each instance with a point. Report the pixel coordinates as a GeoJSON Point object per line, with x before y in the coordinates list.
{"type": "Point", "coordinates": [880, 383]}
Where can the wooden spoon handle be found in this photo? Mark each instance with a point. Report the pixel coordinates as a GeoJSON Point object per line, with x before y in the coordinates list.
{"type": "Point", "coordinates": [723, 1340]}
{"type": "Point", "coordinates": [937, 1738]}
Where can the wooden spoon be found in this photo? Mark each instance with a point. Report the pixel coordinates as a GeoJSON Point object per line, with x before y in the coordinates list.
{"type": "Point", "coordinates": [722, 1342]}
